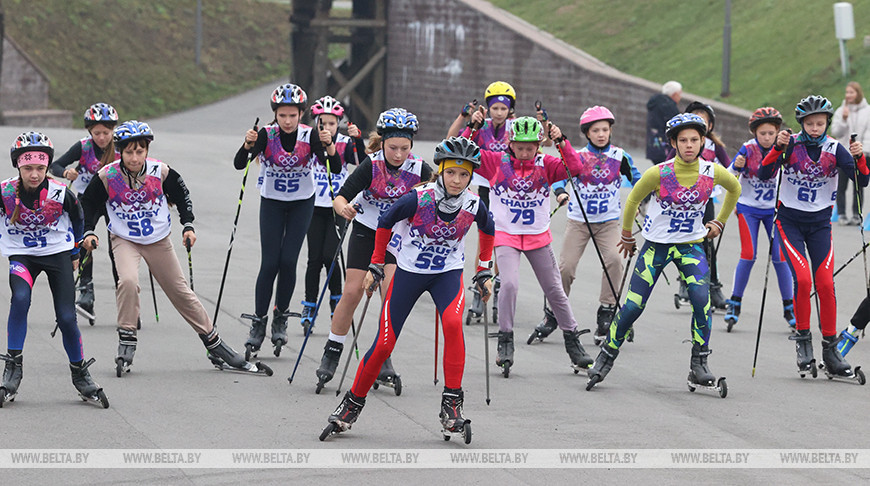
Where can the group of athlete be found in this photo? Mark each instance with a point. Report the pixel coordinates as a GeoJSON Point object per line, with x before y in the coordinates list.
{"type": "Point", "coordinates": [409, 228]}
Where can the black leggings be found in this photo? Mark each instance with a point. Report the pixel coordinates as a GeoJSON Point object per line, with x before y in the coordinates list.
{"type": "Point", "coordinates": [283, 225]}
{"type": "Point", "coordinates": [322, 245]}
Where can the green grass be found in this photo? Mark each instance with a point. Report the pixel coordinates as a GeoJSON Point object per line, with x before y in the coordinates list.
{"type": "Point", "coordinates": [781, 50]}
{"type": "Point", "coordinates": [139, 55]}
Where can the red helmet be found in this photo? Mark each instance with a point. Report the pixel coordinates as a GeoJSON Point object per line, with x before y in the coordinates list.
{"type": "Point", "coordinates": [764, 114]}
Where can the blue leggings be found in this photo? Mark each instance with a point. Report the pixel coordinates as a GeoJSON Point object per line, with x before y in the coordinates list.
{"type": "Point", "coordinates": [749, 223]}
{"type": "Point", "coordinates": [23, 270]}
{"type": "Point", "coordinates": [691, 261]}
{"type": "Point", "coordinates": [283, 226]}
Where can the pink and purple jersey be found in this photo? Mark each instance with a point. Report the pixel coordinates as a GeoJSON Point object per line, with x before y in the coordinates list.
{"type": "Point", "coordinates": [386, 187]}
{"type": "Point", "coordinates": [810, 185]}
{"type": "Point", "coordinates": [139, 215]}
{"type": "Point", "coordinates": [286, 176]}
{"type": "Point", "coordinates": [678, 212]}
{"type": "Point", "coordinates": [598, 185]}
{"type": "Point", "coordinates": [755, 192]}
{"type": "Point", "coordinates": [520, 205]}
{"type": "Point", "coordinates": [490, 138]}
{"type": "Point", "coordinates": [46, 230]}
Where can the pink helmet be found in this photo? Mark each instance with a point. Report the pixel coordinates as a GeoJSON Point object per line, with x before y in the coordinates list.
{"type": "Point", "coordinates": [327, 105]}
{"type": "Point", "coordinates": [594, 114]}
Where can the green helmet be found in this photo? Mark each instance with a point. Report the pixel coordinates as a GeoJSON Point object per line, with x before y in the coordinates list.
{"type": "Point", "coordinates": [526, 129]}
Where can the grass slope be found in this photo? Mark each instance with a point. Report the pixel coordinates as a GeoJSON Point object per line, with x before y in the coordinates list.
{"type": "Point", "coordinates": [781, 50]}
{"type": "Point", "coordinates": [139, 55]}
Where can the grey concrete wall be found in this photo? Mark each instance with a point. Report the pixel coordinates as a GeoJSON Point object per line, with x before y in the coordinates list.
{"type": "Point", "coordinates": [24, 92]}
{"type": "Point", "coordinates": [443, 53]}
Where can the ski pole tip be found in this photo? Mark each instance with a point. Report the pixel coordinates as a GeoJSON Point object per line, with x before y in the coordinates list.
{"type": "Point", "coordinates": [487, 402]}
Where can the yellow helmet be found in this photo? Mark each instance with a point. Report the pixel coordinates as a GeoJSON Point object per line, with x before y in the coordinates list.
{"type": "Point", "coordinates": [500, 88]}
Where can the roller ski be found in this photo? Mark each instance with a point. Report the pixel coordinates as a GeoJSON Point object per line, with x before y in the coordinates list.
{"type": "Point", "coordinates": [279, 328]}
{"type": "Point", "coordinates": [545, 328]}
{"type": "Point", "coordinates": [308, 310]}
{"type": "Point", "coordinates": [452, 421]}
{"type": "Point", "coordinates": [127, 342]}
{"type": "Point", "coordinates": [602, 366]}
{"type": "Point", "coordinates": [328, 363]}
{"type": "Point", "coordinates": [474, 314]}
{"type": "Point", "coordinates": [700, 375]}
{"type": "Point", "coordinates": [835, 366]}
{"type": "Point", "coordinates": [732, 312]}
{"type": "Point", "coordinates": [717, 299]}
{"type": "Point", "coordinates": [256, 335]}
{"type": "Point", "coordinates": [88, 390]}
{"type": "Point", "coordinates": [344, 416]}
{"type": "Point", "coordinates": [580, 360]}
{"type": "Point", "coordinates": [12, 374]}
{"type": "Point", "coordinates": [682, 295]}
{"type": "Point", "coordinates": [788, 314]}
{"type": "Point", "coordinates": [496, 286]}
{"type": "Point", "coordinates": [225, 358]}
{"type": "Point", "coordinates": [389, 377]}
{"type": "Point", "coordinates": [604, 319]}
{"type": "Point", "coordinates": [85, 302]}
{"type": "Point", "coordinates": [505, 358]}
{"type": "Point", "coordinates": [806, 363]}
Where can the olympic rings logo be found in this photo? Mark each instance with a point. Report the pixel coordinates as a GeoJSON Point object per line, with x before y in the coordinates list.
{"type": "Point", "coordinates": [601, 173]}
{"type": "Point", "coordinates": [443, 231]}
{"type": "Point", "coordinates": [31, 218]}
{"type": "Point", "coordinates": [394, 191]}
{"type": "Point", "coordinates": [497, 146]}
{"type": "Point", "coordinates": [522, 184]}
{"type": "Point", "coordinates": [686, 196]}
{"type": "Point", "coordinates": [813, 169]}
{"type": "Point", "coordinates": [136, 196]}
{"type": "Point", "coordinates": [288, 160]}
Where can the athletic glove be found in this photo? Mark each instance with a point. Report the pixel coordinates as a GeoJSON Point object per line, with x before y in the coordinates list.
{"type": "Point", "coordinates": [377, 271]}
{"type": "Point", "coordinates": [481, 278]}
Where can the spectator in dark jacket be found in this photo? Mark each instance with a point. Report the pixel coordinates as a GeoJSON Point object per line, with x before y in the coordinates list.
{"type": "Point", "coordinates": [661, 108]}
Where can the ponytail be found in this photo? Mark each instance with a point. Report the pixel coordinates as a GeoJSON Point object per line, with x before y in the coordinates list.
{"type": "Point", "coordinates": [17, 213]}
{"type": "Point", "coordinates": [375, 142]}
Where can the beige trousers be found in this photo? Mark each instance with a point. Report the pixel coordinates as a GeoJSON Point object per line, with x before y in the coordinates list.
{"type": "Point", "coordinates": [607, 235]}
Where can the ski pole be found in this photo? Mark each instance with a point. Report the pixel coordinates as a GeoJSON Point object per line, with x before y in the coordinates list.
{"type": "Point", "coordinates": [767, 267]}
{"type": "Point", "coordinates": [362, 317]}
{"type": "Point", "coordinates": [435, 379]}
{"type": "Point", "coordinates": [317, 308]}
{"type": "Point", "coordinates": [85, 261]}
{"type": "Point", "coordinates": [233, 234]}
{"type": "Point", "coordinates": [844, 265]}
{"type": "Point", "coordinates": [582, 210]}
{"type": "Point", "coordinates": [485, 292]}
{"type": "Point", "coordinates": [852, 138]}
{"type": "Point", "coordinates": [189, 261]}
{"type": "Point", "coordinates": [153, 296]}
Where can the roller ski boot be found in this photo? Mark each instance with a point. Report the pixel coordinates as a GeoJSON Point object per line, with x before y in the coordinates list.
{"type": "Point", "coordinates": [127, 342]}
{"type": "Point", "coordinates": [606, 313]}
{"type": "Point", "coordinates": [452, 421]}
{"type": "Point", "coordinates": [848, 338]}
{"type": "Point", "coordinates": [389, 377]}
{"type": "Point", "coordinates": [682, 295]}
{"type": "Point", "coordinates": [788, 313]}
{"type": "Point", "coordinates": [505, 358]}
{"type": "Point", "coordinates": [88, 390]}
{"type": "Point", "coordinates": [344, 416]}
{"type": "Point", "coordinates": [474, 313]}
{"type": "Point", "coordinates": [307, 321]}
{"type": "Point", "coordinates": [700, 375]}
{"type": "Point", "coordinates": [580, 360]}
{"type": "Point", "coordinates": [256, 335]}
{"type": "Point", "coordinates": [496, 286]}
{"type": "Point", "coordinates": [333, 303]}
{"type": "Point", "coordinates": [835, 366]}
{"type": "Point", "coordinates": [545, 328]}
{"type": "Point", "coordinates": [732, 312]}
{"type": "Point", "coordinates": [225, 358]}
{"type": "Point", "coordinates": [328, 363]}
{"type": "Point", "coordinates": [602, 366]}
{"type": "Point", "coordinates": [279, 329]}
{"type": "Point", "coordinates": [717, 299]}
{"type": "Point", "coordinates": [85, 302]}
{"type": "Point", "coordinates": [12, 374]}
{"type": "Point", "coordinates": [803, 343]}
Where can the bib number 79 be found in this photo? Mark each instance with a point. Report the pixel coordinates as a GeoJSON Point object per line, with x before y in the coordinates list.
{"type": "Point", "coordinates": [527, 215]}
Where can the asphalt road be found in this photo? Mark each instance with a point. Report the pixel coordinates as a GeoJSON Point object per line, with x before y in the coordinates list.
{"type": "Point", "coordinates": [174, 399]}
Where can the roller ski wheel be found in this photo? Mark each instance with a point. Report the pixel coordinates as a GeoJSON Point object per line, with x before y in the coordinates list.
{"type": "Point", "coordinates": [811, 369]}
{"type": "Point", "coordinates": [389, 378]}
{"type": "Point", "coordinates": [721, 386]}
{"type": "Point", "coordinates": [121, 367]}
{"type": "Point", "coordinates": [594, 380]}
{"type": "Point", "coordinates": [545, 328]}
{"type": "Point", "coordinates": [319, 388]}
{"type": "Point", "coordinates": [729, 324]}
{"type": "Point", "coordinates": [463, 432]}
{"type": "Point", "coordinates": [331, 429]}
{"type": "Point", "coordinates": [99, 398]}
{"type": "Point", "coordinates": [677, 301]}
{"type": "Point", "coordinates": [5, 396]}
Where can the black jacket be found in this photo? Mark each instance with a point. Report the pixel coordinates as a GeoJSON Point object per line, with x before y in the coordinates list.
{"type": "Point", "coordinates": [659, 109]}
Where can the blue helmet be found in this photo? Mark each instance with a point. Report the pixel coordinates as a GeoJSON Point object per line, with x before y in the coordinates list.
{"type": "Point", "coordinates": [289, 95]}
{"type": "Point", "coordinates": [397, 120]}
{"type": "Point", "coordinates": [812, 105]}
{"type": "Point", "coordinates": [100, 113]}
{"type": "Point", "coordinates": [31, 142]}
{"type": "Point", "coordinates": [132, 130]}
{"type": "Point", "coordinates": [683, 121]}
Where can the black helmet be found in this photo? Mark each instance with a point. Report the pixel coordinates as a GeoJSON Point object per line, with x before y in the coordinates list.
{"type": "Point", "coordinates": [811, 105]}
{"type": "Point", "coordinates": [698, 106]}
{"type": "Point", "coordinates": [458, 148]}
